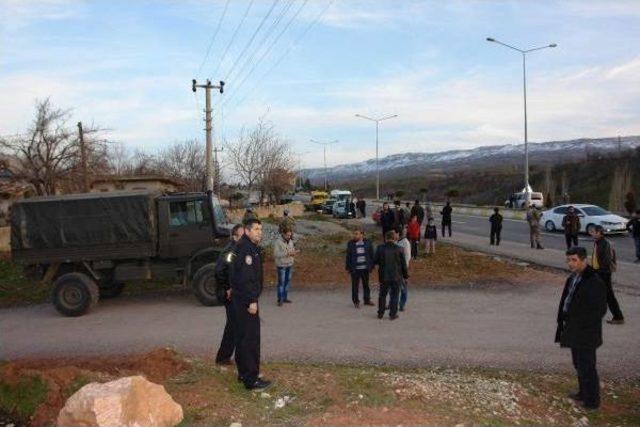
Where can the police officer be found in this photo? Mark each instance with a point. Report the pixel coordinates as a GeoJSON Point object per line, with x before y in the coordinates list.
{"type": "Point", "coordinates": [246, 278]}
{"type": "Point", "coordinates": [223, 287]}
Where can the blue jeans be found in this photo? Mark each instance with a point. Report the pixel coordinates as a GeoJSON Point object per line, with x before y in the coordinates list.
{"type": "Point", "coordinates": [284, 280]}
{"type": "Point", "coordinates": [403, 295]}
{"type": "Point", "coordinates": [637, 240]}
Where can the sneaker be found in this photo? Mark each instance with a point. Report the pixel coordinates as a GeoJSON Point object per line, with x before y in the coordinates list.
{"type": "Point", "coordinates": [615, 321]}
{"type": "Point", "coordinates": [259, 385]}
{"type": "Point", "coordinates": [287, 301]}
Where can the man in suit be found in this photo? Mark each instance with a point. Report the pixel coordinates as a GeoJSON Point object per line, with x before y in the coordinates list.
{"type": "Point", "coordinates": [582, 307]}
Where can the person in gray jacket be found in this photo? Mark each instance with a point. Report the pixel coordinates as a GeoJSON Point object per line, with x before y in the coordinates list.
{"type": "Point", "coordinates": [284, 253]}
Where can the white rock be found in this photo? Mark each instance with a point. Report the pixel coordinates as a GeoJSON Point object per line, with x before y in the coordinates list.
{"type": "Point", "coordinates": [235, 425]}
{"type": "Point", "coordinates": [265, 395]}
{"type": "Point", "coordinates": [280, 403]}
{"type": "Point", "coordinates": [131, 401]}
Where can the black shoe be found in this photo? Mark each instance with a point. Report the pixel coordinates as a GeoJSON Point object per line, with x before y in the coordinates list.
{"type": "Point", "coordinates": [240, 380]}
{"type": "Point", "coordinates": [356, 304]}
{"type": "Point", "coordinates": [380, 316]}
{"type": "Point", "coordinates": [368, 303]}
{"type": "Point", "coordinates": [225, 362]}
{"type": "Point", "coordinates": [615, 321]}
{"type": "Point", "coordinates": [279, 303]}
{"type": "Point", "coordinates": [540, 247]}
{"type": "Point", "coordinates": [259, 385]}
{"type": "Point", "coordinates": [287, 301]}
{"type": "Point", "coordinates": [393, 317]}
{"type": "Point", "coordinates": [401, 309]}
{"type": "Point", "coordinates": [575, 396]}
{"type": "Point", "coordinates": [591, 406]}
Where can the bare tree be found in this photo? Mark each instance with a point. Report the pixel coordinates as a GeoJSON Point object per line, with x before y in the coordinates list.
{"type": "Point", "coordinates": [48, 153]}
{"type": "Point", "coordinates": [185, 162]}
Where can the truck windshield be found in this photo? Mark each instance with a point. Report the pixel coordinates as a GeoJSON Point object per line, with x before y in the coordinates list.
{"type": "Point", "coordinates": [218, 212]}
{"type": "Point", "coordinates": [188, 212]}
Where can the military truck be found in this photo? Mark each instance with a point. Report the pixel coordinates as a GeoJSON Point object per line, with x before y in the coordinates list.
{"type": "Point", "coordinates": [87, 246]}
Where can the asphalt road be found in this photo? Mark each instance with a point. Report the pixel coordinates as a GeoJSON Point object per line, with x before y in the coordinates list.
{"type": "Point", "coordinates": [501, 327]}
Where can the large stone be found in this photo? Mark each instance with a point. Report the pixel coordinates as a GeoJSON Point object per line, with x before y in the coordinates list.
{"type": "Point", "coordinates": [130, 401]}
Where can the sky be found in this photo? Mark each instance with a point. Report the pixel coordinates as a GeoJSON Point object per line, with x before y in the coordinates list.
{"type": "Point", "coordinates": [309, 66]}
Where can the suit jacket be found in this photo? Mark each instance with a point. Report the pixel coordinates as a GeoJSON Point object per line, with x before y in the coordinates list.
{"type": "Point", "coordinates": [352, 256]}
{"type": "Point", "coordinates": [581, 326]}
{"type": "Point", "coordinates": [391, 263]}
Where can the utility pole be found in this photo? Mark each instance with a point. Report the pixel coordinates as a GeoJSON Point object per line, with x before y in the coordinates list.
{"type": "Point", "coordinates": [216, 172]}
{"type": "Point", "coordinates": [209, 127]}
{"type": "Point", "coordinates": [83, 159]}
{"type": "Point", "coordinates": [324, 146]}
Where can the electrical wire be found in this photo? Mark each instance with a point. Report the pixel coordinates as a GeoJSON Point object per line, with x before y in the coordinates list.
{"type": "Point", "coordinates": [213, 38]}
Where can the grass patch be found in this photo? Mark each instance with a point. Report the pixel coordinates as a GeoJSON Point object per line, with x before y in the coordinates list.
{"type": "Point", "coordinates": [16, 288]}
{"type": "Point", "coordinates": [23, 398]}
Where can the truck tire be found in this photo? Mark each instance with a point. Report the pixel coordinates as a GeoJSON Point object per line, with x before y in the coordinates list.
{"type": "Point", "coordinates": [205, 285]}
{"type": "Point", "coordinates": [74, 294]}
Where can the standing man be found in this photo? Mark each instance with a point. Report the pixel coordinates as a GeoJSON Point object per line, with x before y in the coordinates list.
{"type": "Point", "coordinates": [362, 207]}
{"type": "Point", "coordinates": [359, 263]}
{"type": "Point", "coordinates": [496, 227]}
{"type": "Point", "coordinates": [223, 288]}
{"type": "Point", "coordinates": [392, 271]}
{"type": "Point", "coordinates": [284, 253]}
{"type": "Point", "coordinates": [399, 217]}
{"type": "Point", "coordinates": [287, 223]}
{"type": "Point", "coordinates": [413, 234]}
{"type": "Point", "coordinates": [418, 212]}
{"type": "Point", "coordinates": [387, 219]}
{"type": "Point", "coordinates": [571, 225]}
{"type": "Point", "coordinates": [582, 307]}
{"type": "Point", "coordinates": [446, 218]}
{"type": "Point", "coordinates": [533, 219]}
{"type": "Point", "coordinates": [246, 278]}
{"type": "Point", "coordinates": [634, 226]}
{"type": "Point", "coordinates": [404, 243]}
{"type": "Point", "coordinates": [603, 261]}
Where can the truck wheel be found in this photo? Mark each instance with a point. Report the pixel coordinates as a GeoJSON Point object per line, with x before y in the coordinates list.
{"type": "Point", "coordinates": [205, 285]}
{"type": "Point", "coordinates": [74, 294]}
{"type": "Point", "coordinates": [111, 290]}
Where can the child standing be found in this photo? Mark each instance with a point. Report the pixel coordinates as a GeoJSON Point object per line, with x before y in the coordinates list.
{"type": "Point", "coordinates": [413, 233]}
{"type": "Point", "coordinates": [431, 236]}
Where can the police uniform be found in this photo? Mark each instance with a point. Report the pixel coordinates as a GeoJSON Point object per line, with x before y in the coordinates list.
{"type": "Point", "coordinates": [227, 345]}
{"type": "Point", "coordinates": [246, 278]}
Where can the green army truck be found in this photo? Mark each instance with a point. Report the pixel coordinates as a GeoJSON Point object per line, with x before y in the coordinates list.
{"type": "Point", "coordinates": [87, 246]}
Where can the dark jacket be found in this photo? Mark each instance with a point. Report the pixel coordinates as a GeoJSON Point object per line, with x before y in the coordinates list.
{"type": "Point", "coordinates": [605, 254]}
{"type": "Point", "coordinates": [417, 211]}
{"type": "Point", "coordinates": [351, 258]}
{"type": "Point", "coordinates": [634, 226]}
{"type": "Point", "coordinates": [571, 224]}
{"type": "Point", "coordinates": [245, 272]}
{"type": "Point", "coordinates": [387, 219]}
{"type": "Point", "coordinates": [496, 221]}
{"type": "Point", "coordinates": [446, 213]}
{"type": "Point", "coordinates": [431, 232]}
{"type": "Point", "coordinates": [391, 263]}
{"type": "Point", "coordinates": [399, 217]}
{"type": "Point", "coordinates": [222, 269]}
{"type": "Point", "coordinates": [581, 326]}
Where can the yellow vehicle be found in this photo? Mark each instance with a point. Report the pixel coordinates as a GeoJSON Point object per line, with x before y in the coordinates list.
{"type": "Point", "coordinates": [317, 200]}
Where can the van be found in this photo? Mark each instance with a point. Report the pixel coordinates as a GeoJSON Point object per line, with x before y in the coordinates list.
{"type": "Point", "coordinates": [523, 199]}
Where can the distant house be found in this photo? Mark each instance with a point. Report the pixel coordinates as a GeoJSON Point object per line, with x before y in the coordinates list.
{"type": "Point", "coordinates": [11, 189]}
{"type": "Point", "coordinates": [134, 183]}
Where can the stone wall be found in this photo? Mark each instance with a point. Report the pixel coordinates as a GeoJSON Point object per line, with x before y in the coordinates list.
{"type": "Point", "coordinates": [295, 209]}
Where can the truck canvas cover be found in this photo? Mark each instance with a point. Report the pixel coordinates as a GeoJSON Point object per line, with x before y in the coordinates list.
{"type": "Point", "coordinates": [84, 226]}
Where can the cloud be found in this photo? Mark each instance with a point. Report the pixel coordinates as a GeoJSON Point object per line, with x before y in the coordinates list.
{"type": "Point", "coordinates": [18, 14]}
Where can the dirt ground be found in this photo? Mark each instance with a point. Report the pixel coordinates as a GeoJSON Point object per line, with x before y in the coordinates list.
{"type": "Point", "coordinates": [315, 394]}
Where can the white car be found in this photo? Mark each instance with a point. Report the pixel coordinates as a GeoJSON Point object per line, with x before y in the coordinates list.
{"type": "Point", "coordinates": [590, 216]}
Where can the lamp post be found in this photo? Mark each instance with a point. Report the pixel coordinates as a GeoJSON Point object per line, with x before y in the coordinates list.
{"type": "Point", "coordinates": [324, 146]}
{"type": "Point", "coordinates": [377, 121]}
{"type": "Point", "coordinates": [523, 52]}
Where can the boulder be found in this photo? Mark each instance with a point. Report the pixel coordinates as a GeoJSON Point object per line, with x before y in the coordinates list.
{"type": "Point", "coordinates": [131, 401]}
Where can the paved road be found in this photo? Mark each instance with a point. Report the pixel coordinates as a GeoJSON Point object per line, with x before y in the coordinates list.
{"type": "Point", "coordinates": [510, 327]}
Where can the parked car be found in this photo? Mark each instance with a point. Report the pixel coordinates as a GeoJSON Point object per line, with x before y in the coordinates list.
{"type": "Point", "coordinates": [341, 209]}
{"type": "Point", "coordinates": [327, 207]}
{"type": "Point", "coordinates": [523, 199]}
{"type": "Point", "coordinates": [590, 216]}
{"type": "Point", "coordinates": [318, 198]}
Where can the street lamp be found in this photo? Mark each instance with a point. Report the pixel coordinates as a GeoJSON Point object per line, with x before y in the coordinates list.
{"type": "Point", "coordinates": [527, 188]}
{"type": "Point", "coordinates": [377, 167]}
{"type": "Point", "coordinates": [324, 145]}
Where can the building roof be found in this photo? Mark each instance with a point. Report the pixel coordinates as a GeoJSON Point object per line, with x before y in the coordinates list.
{"type": "Point", "coordinates": [134, 178]}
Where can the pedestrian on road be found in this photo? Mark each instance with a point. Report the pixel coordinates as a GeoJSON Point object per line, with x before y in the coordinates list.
{"type": "Point", "coordinates": [284, 252]}
{"type": "Point", "coordinates": [430, 237]}
{"type": "Point", "coordinates": [223, 289]}
{"type": "Point", "coordinates": [359, 263]}
{"type": "Point", "coordinates": [246, 277]}
{"type": "Point", "coordinates": [404, 243]}
{"type": "Point", "coordinates": [496, 227]}
{"type": "Point", "coordinates": [413, 234]}
{"type": "Point", "coordinates": [287, 223]}
{"type": "Point", "coordinates": [533, 219]}
{"type": "Point", "coordinates": [571, 226]}
{"type": "Point", "coordinates": [418, 212]}
{"type": "Point", "coordinates": [352, 209]}
{"type": "Point", "coordinates": [582, 306]}
{"type": "Point", "coordinates": [603, 261]}
{"type": "Point", "coordinates": [446, 218]}
{"type": "Point", "coordinates": [362, 207]}
{"type": "Point", "coordinates": [392, 271]}
{"type": "Point", "coordinates": [387, 218]}
{"type": "Point", "coordinates": [634, 226]}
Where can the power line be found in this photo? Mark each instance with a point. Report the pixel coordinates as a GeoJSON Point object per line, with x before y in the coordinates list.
{"type": "Point", "coordinates": [233, 37]}
{"type": "Point", "coordinates": [252, 38]}
{"type": "Point", "coordinates": [213, 38]}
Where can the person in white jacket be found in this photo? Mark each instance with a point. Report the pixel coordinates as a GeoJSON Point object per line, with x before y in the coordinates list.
{"type": "Point", "coordinates": [284, 253]}
{"type": "Point", "coordinates": [405, 244]}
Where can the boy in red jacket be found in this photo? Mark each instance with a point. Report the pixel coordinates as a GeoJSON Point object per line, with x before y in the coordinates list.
{"type": "Point", "coordinates": [413, 234]}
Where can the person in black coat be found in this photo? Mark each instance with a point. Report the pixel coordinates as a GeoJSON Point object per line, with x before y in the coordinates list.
{"type": "Point", "coordinates": [223, 289]}
{"type": "Point", "coordinates": [582, 306]}
{"type": "Point", "coordinates": [446, 218]}
{"type": "Point", "coordinates": [246, 278]}
{"type": "Point", "coordinates": [496, 227]}
{"type": "Point", "coordinates": [387, 219]}
{"type": "Point", "coordinates": [392, 272]}
{"type": "Point", "coordinates": [417, 211]}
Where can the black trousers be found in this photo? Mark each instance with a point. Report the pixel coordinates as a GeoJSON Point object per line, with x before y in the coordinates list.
{"type": "Point", "coordinates": [446, 223]}
{"type": "Point", "coordinates": [228, 344]}
{"type": "Point", "coordinates": [414, 249]}
{"type": "Point", "coordinates": [571, 239]}
{"type": "Point", "coordinates": [393, 290]}
{"type": "Point", "coordinates": [247, 341]}
{"type": "Point", "coordinates": [358, 276]}
{"type": "Point", "coordinates": [612, 301]}
{"type": "Point", "coordinates": [495, 236]}
{"type": "Point", "coordinates": [584, 360]}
